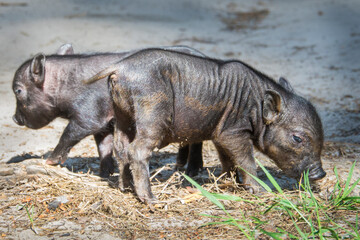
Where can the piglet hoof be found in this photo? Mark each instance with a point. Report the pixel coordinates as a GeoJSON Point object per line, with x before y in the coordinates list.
{"type": "Point", "coordinates": [255, 190]}
{"type": "Point", "coordinates": [192, 172]}
{"type": "Point", "coordinates": [179, 167]}
{"type": "Point", "coordinates": [149, 201]}
{"type": "Point", "coordinates": [125, 187]}
{"type": "Point", "coordinates": [124, 183]}
{"type": "Point", "coordinates": [107, 168]}
{"type": "Point", "coordinates": [54, 161]}
{"type": "Point", "coordinates": [104, 174]}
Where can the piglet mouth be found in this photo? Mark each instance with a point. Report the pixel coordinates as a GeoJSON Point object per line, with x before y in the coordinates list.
{"type": "Point", "coordinates": [18, 121]}
{"type": "Point", "coordinates": [316, 173]}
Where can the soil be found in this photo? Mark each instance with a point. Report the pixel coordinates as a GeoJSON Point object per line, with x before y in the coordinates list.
{"type": "Point", "coordinates": [314, 44]}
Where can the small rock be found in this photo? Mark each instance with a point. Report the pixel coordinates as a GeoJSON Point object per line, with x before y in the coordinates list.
{"type": "Point", "coordinates": [35, 169]}
{"type": "Point", "coordinates": [96, 205]}
{"type": "Point", "coordinates": [62, 225]}
{"type": "Point", "coordinates": [96, 228]}
{"type": "Point", "coordinates": [56, 203]}
{"type": "Point", "coordinates": [29, 234]}
{"type": "Point", "coordinates": [65, 235]}
{"type": "Point", "coordinates": [54, 225]}
{"type": "Point", "coordinates": [20, 171]}
{"type": "Point", "coordinates": [6, 171]}
{"type": "Point", "coordinates": [33, 161]}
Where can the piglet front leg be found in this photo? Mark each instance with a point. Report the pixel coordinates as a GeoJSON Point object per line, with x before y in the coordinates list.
{"type": "Point", "coordinates": [192, 156]}
{"type": "Point", "coordinates": [104, 142]}
{"type": "Point", "coordinates": [236, 155]}
{"type": "Point", "coordinates": [72, 134]}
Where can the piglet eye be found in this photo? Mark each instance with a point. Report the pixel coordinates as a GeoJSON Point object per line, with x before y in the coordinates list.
{"type": "Point", "coordinates": [297, 139]}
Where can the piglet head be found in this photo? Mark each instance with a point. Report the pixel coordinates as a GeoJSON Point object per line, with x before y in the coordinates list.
{"type": "Point", "coordinates": [293, 135]}
{"type": "Point", "coordinates": [34, 108]}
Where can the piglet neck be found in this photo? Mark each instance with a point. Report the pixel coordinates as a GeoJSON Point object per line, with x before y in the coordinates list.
{"type": "Point", "coordinates": [259, 85]}
{"type": "Point", "coordinates": [51, 86]}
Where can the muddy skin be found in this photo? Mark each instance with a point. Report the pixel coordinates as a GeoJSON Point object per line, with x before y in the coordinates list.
{"type": "Point", "coordinates": [167, 97]}
{"type": "Point", "coordinates": [47, 87]}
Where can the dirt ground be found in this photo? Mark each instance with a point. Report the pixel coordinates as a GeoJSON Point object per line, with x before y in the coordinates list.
{"type": "Point", "coordinates": [314, 44]}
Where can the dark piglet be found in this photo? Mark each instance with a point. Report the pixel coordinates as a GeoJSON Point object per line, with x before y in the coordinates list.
{"type": "Point", "coordinates": [162, 97]}
{"type": "Point", "coordinates": [47, 87]}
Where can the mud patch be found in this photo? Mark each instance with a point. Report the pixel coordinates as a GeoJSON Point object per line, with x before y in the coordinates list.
{"type": "Point", "coordinates": [236, 21]}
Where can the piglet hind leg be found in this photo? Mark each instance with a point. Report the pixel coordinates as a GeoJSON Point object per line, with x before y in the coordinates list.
{"type": "Point", "coordinates": [123, 134]}
{"type": "Point", "coordinates": [236, 154]}
{"type": "Point", "coordinates": [139, 166]}
{"type": "Point", "coordinates": [139, 152]}
{"type": "Point", "coordinates": [150, 130]}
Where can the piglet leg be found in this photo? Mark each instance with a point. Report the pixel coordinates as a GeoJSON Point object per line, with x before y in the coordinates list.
{"type": "Point", "coordinates": [182, 156]}
{"type": "Point", "coordinates": [236, 153]}
{"type": "Point", "coordinates": [139, 154]}
{"type": "Point", "coordinates": [192, 155]}
{"type": "Point", "coordinates": [195, 160]}
{"type": "Point", "coordinates": [72, 134]}
{"type": "Point", "coordinates": [150, 130]}
{"type": "Point", "coordinates": [122, 136]}
{"type": "Point", "coordinates": [104, 142]}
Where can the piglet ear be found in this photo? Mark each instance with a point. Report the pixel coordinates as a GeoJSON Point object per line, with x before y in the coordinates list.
{"type": "Point", "coordinates": [37, 69]}
{"type": "Point", "coordinates": [66, 49]}
{"type": "Point", "coordinates": [285, 84]}
{"type": "Point", "coordinates": [271, 106]}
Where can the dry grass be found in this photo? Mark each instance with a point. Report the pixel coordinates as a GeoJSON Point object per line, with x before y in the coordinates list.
{"type": "Point", "coordinates": [176, 215]}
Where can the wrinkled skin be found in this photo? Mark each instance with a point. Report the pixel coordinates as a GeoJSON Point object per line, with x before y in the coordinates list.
{"type": "Point", "coordinates": [47, 87]}
{"type": "Point", "coordinates": [162, 97]}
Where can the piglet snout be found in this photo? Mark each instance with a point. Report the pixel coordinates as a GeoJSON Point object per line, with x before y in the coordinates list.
{"type": "Point", "coordinates": [316, 173]}
{"type": "Point", "coordinates": [18, 121]}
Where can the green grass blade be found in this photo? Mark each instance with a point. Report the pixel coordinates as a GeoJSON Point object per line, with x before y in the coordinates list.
{"type": "Point", "coordinates": [301, 233]}
{"type": "Point", "coordinates": [271, 178]}
{"type": "Point", "coordinates": [348, 179]}
{"type": "Point", "coordinates": [355, 228]}
{"type": "Point", "coordinates": [206, 193]}
{"type": "Point", "coordinates": [258, 221]}
{"type": "Point", "coordinates": [337, 186]}
{"type": "Point", "coordinates": [353, 199]}
{"type": "Point", "coordinates": [29, 215]}
{"type": "Point", "coordinates": [215, 201]}
{"type": "Point", "coordinates": [228, 222]}
{"type": "Point", "coordinates": [347, 191]}
{"type": "Point", "coordinates": [271, 207]}
{"type": "Point", "coordinates": [275, 235]}
{"type": "Point", "coordinates": [289, 235]}
{"type": "Point", "coordinates": [230, 198]}
{"type": "Point", "coordinates": [343, 228]}
{"type": "Point", "coordinates": [261, 182]}
{"type": "Point", "coordinates": [211, 216]}
{"type": "Point", "coordinates": [342, 197]}
{"type": "Point", "coordinates": [351, 188]}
